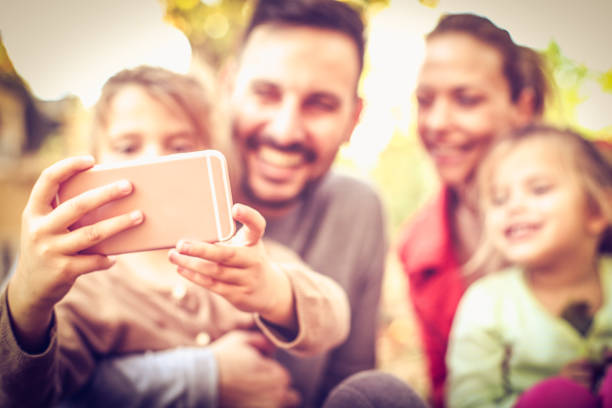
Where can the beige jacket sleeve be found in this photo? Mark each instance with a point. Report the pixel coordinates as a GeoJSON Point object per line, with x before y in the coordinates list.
{"type": "Point", "coordinates": [322, 307]}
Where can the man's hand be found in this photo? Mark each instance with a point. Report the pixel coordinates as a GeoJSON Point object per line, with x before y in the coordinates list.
{"type": "Point", "coordinates": [247, 378]}
{"type": "Point", "coordinates": [240, 270]}
{"type": "Point", "coordinates": [49, 261]}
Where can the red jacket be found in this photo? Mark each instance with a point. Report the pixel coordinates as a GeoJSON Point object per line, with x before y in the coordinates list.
{"type": "Point", "coordinates": [435, 283]}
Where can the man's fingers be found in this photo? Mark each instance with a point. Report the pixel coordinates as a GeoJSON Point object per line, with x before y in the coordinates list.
{"type": "Point", "coordinates": [87, 236]}
{"type": "Point", "coordinates": [45, 188]}
{"type": "Point", "coordinates": [68, 212]}
{"type": "Point", "coordinates": [253, 225]}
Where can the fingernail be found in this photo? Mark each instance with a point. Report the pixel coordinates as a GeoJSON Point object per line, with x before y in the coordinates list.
{"type": "Point", "coordinates": [124, 186]}
{"type": "Point", "coordinates": [136, 216]}
{"type": "Point", "coordinates": [184, 246]}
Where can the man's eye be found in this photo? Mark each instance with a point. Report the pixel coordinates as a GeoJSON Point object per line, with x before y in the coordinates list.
{"type": "Point", "coordinates": [322, 104]}
{"type": "Point", "coordinates": [469, 100]}
{"type": "Point", "coordinates": [266, 92]}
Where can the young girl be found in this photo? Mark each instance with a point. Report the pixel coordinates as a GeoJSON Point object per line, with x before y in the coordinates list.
{"type": "Point", "coordinates": [539, 333]}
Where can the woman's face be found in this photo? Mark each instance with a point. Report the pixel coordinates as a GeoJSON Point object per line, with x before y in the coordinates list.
{"type": "Point", "coordinates": [463, 102]}
{"type": "Point", "coordinates": [140, 126]}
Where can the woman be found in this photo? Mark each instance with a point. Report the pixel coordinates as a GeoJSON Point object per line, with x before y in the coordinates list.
{"type": "Point", "coordinates": [475, 83]}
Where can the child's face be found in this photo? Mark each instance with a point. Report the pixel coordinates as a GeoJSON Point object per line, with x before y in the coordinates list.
{"type": "Point", "coordinates": [140, 126]}
{"type": "Point", "coordinates": [536, 211]}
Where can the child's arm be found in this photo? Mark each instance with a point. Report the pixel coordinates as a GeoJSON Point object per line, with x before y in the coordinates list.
{"type": "Point", "coordinates": [49, 261]}
{"type": "Point", "coordinates": [476, 354]}
{"type": "Point", "coordinates": [308, 310]}
{"type": "Point", "coordinates": [49, 264]}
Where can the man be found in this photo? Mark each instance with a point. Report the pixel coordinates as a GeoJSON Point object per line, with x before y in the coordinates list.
{"type": "Point", "coordinates": [293, 102]}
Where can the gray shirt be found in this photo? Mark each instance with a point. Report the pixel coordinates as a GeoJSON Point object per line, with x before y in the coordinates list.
{"type": "Point", "coordinates": [338, 229]}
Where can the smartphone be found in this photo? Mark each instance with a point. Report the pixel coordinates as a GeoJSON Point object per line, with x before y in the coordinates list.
{"type": "Point", "coordinates": [184, 195]}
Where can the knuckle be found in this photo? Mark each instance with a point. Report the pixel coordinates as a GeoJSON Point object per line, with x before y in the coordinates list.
{"type": "Point", "coordinates": [44, 249]}
{"type": "Point", "coordinates": [227, 253]}
{"type": "Point", "coordinates": [76, 206]}
{"type": "Point", "coordinates": [64, 270]}
{"type": "Point", "coordinates": [34, 231]}
{"type": "Point", "coordinates": [92, 233]}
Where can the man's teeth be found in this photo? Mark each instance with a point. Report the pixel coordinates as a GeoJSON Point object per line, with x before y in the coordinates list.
{"type": "Point", "coordinates": [279, 158]}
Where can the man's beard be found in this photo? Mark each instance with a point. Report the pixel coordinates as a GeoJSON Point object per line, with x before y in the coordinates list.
{"type": "Point", "coordinates": [252, 143]}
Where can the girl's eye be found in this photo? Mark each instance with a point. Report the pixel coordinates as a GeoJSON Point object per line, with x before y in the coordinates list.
{"type": "Point", "coordinates": [125, 148]}
{"type": "Point", "coordinates": [541, 188]}
{"type": "Point", "coordinates": [181, 146]}
{"type": "Point", "coordinates": [498, 197]}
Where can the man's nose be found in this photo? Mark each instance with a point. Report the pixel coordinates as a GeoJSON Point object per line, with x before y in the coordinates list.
{"type": "Point", "coordinates": [286, 124]}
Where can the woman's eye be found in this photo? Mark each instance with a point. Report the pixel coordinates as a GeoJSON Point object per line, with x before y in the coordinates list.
{"type": "Point", "coordinates": [424, 101]}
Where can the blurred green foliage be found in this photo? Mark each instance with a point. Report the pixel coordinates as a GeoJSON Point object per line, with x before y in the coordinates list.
{"type": "Point", "coordinates": [213, 27]}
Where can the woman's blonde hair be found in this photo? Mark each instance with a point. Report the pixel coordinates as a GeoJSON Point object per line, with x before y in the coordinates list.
{"type": "Point", "coordinates": [589, 166]}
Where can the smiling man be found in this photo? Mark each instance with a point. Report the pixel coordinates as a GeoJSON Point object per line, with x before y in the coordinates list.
{"type": "Point", "coordinates": [293, 103]}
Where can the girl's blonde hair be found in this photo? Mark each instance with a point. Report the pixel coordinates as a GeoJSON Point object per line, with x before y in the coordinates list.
{"type": "Point", "coordinates": [589, 166]}
{"type": "Point", "coordinates": [195, 97]}
{"type": "Point", "coordinates": [169, 88]}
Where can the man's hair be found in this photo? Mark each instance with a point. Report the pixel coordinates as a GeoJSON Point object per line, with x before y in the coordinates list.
{"type": "Point", "coordinates": [324, 14]}
{"type": "Point", "coordinates": [522, 67]}
{"type": "Point", "coordinates": [169, 88]}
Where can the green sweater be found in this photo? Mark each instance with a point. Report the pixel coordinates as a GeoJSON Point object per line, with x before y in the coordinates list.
{"type": "Point", "coordinates": [503, 341]}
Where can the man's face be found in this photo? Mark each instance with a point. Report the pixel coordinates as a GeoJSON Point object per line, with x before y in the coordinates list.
{"type": "Point", "coordinates": [293, 104]}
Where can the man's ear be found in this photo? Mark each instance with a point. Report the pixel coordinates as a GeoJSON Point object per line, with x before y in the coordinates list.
{"type": "Point", "coordinates": [525, 108]}
{"type": "Point", "coordinates": [357, 109]}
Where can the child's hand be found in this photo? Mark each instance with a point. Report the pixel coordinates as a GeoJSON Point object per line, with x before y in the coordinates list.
{"type": "Point", "coordinates": [49, 262]}
{"type": "Point", "coordinates": [580, 371]}
{"type": "Point", "coordinates": [240, 270]}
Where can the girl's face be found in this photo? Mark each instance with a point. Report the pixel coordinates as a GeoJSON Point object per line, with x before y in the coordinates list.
{"type": "Point", "coordinates": [536, 210]}
{"type": "Point", "coordinates": [140, 126]}
{"type": "Point", "coordinates": [463, 102]}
